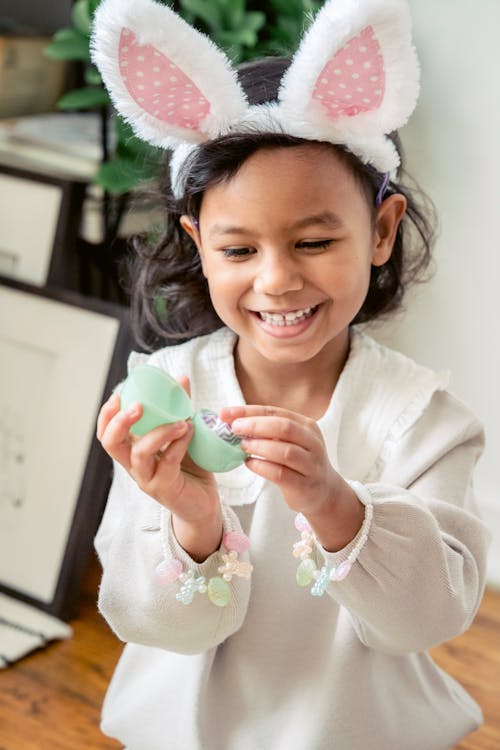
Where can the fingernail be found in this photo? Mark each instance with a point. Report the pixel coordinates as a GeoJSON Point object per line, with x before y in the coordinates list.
{"type": "Point", "coordinates": [239, 425]}
{"type": "Point", "coordinates": [133, 411]}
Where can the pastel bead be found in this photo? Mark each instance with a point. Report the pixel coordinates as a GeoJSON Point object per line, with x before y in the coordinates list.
{"type": "Point", "coordinates": [322, 578]}
{"type": "Point", "coordinates": [305, 572]}
{"type": "Point", "coordinates": [301, 523]}
{"type": "Point", "coordinates": [341, 572]}
{"type": "Point", "coordinates": [236, 541]}
{"type": "Point", "coordinates": [219, 591]}
{"type": "Point", "coordinates": [168, 571]}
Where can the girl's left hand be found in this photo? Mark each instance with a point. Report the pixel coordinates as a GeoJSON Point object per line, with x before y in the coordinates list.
{"type": "Point", "coordinates": [291, 453]}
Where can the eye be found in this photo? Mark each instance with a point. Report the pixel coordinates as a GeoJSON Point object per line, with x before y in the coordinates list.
{"type": "Point", "coordinates": [314, 244]}
{"type": "Point", "coordinates": [237, 252]}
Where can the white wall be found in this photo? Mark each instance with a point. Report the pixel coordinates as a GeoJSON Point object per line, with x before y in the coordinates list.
{"type": "Point", "coordinates": [453, 148]}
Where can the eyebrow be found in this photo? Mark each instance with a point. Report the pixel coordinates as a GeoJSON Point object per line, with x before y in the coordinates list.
{"type": "Point", "coordinates": [325, 218]}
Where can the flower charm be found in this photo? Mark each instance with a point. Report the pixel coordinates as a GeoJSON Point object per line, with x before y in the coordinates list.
{"type": "Point", "coordinates": [190, 585]}
{"type": "Point", "coordinates": [307, 570]}
{"type": "Point", "coordinates": [233, 567]}
{"type": "Point", "coordinates": [322, 578]}
{"type": "Point", "coordinates": [303, 549]}
{"type": "Point", "coordinates": [188, 582]}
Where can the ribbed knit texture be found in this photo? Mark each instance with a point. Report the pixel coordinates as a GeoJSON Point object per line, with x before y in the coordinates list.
{"type": "Point", "coordinates": [279, 669]}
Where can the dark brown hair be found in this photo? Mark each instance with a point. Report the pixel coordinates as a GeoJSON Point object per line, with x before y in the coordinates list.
{"type": "Point", "coordinates": [170, 297]}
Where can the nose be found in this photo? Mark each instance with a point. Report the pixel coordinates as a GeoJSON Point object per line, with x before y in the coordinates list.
{"type": "Point", "coordinates": [277, 275]}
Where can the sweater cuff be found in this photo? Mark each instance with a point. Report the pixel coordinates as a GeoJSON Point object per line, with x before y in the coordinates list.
{"type": "Point", "coordinates": [335, 559]}
{"type": "Point", "coordinates": [212, 576]}
{"type": "Point", "coordinates": [330, 567]}
{"type": "Point", "coordinates": [171, 547]}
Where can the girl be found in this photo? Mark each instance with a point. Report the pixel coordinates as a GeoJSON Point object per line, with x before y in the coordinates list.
{"type": "Point", "coordinates": [348, 543]}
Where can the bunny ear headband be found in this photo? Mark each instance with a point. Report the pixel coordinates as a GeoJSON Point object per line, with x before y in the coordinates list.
{"type": "Point", "coordinates": [353, 80]}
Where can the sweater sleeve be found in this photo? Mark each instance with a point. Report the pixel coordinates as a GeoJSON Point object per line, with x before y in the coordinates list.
{"type": "Point", "coordinates": [137, 606]}
{"type": "Point", "coordinates": [419, 578]}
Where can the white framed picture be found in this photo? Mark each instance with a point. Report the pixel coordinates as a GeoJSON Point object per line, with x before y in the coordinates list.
{"type": "Point", "coordinates": [60, 356]}
{"type": "Point", "coordinates": [40, 216]}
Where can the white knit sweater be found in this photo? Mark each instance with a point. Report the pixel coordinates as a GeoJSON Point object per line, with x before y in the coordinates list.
{"type": "Point", "coordinates": [279, 669]}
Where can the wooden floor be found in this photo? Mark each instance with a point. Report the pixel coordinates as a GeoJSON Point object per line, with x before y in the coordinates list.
{"type": "Point", "coordinates": [51, 699]}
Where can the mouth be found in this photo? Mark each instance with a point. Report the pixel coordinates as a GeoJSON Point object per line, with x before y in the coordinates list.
{"type": "Point", "coordinates": [287, 319]}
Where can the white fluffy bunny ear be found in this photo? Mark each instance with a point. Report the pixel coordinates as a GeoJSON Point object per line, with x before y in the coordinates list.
{"type": "Point", "coordinates": [354, 78]}
{"type": "Point", "coordinates": [168, 80]}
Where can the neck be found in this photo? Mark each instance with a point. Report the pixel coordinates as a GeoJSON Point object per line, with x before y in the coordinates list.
{"type": "Point", "coordinates": [303, 387]}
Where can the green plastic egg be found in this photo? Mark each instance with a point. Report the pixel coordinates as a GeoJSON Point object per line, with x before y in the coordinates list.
{"type": "Point", "coordinates": [163, 399]}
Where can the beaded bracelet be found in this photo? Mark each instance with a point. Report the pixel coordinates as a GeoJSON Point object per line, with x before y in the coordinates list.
{"type": "Point", "coordinates": [171, 569]}
{"type": "Point", "coordinates": [307, 572]}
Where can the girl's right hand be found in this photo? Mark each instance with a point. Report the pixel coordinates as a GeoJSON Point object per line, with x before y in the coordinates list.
{"type": "Point", "coordinates": [159, 464]}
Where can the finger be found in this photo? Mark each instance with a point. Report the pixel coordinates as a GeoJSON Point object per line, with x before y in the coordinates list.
{"type": "Point", "coordinates": [160, 438]}
{"type": "Point", "coordinates": [287, 479]}
{"type": "Point", "coordinates": [288, 455]}
{"type": "Point", "coordinates": [189, 466]}
{"type": "Point", "coordinates": [278, 428]}
{"type": "Point", "coordinates": [115, 437]}
{"type": "Point", "coordinates": [146, 450]}
{"type": "Point", "coordinates": [175, 453]}
{"type": "Point", "coordinates": [157, 441]}
{"type": "Point", "coordinates": [230, 413]}
{"type": "Point", "coordinates": [107, 412]}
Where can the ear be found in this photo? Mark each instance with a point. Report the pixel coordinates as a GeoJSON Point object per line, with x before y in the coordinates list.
{"type": "Point", "coordinates": [355, 77]}
{"type": "Point", "coordinates": [168, 80]}
{"type": "Point", "coordinates": [191, 228]}
{"type": "Point", "coordinates": [389, 216]}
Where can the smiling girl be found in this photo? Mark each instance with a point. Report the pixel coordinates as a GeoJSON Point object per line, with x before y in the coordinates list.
{"type": "Point", "coordinates": [349, 537]}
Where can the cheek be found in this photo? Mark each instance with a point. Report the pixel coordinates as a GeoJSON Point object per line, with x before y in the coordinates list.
{"type": "Point", "coordinates": [348, 279]}
{"type": "Point", "coordinates": [225, 286]}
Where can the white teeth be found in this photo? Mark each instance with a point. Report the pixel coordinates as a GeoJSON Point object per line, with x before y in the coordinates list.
{"type": "Point", "coordinates": [288, 319]}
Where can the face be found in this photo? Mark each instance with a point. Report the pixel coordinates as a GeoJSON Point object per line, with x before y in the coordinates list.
{"type": "Point", "coordinates": [286, 246]}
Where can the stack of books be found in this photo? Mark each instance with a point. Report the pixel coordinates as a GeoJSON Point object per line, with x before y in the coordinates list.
{"type": "Point", "coordinates": [61, 144]}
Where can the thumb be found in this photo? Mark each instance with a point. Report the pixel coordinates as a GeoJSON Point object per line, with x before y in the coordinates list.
{"type": "Point", "coordinates": [187, 462]}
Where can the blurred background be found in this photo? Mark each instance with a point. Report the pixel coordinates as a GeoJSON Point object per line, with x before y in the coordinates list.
{"type": "Point", "coordinates": [42, 18]}
{"type": "Point", "coordinates": [453, 150]}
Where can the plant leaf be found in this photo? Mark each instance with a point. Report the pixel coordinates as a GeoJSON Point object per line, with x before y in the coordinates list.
{"type": "Point", "coordinates": [228, 39]}
{"type": "Point", "coordinates": [68, 44]}
{"type": "Point", "coordinates": [129, 146]}
{"type": "Point", "coordinates": [80, 16]}
{"type": "Point", "coordinates": [232, 13]}
{"type": "Point", "coordinates": [121, 175]}
{"type": "Point", "coordinates": [160, 307]}
{"type": "Point", "coordinates": [92, 76]}
{"type": "Point", "coordinates": [88, 97]}
{"type": "Point", "coordinates": [254, 20]}
{"type": "Point", "coordinates": [133, 148]}
{"type": "Point", "coordinates": [93, 5]}
{"type": "Point", "coordinates": [208, 12]}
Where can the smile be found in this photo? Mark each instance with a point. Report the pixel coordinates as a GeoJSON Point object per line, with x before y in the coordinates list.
{"type": "Point", "coordinates": [287, 319]}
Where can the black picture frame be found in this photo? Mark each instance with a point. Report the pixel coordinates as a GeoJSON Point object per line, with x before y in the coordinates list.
{"type": "Point", "coordinates": [98, 321]}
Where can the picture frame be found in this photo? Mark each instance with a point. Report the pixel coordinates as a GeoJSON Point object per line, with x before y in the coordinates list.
{"type": "Point", "coordinates": [61, 355]}
{"type": "Point", "coordinates": [40, 216]}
